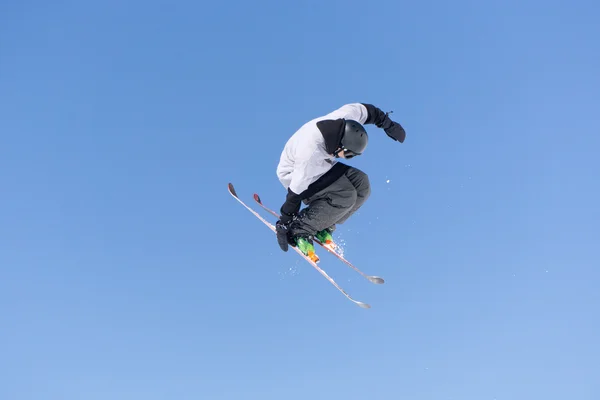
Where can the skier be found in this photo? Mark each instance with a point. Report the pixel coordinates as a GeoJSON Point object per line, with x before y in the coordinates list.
{"type": "Point", "coordinates": [310, 172]}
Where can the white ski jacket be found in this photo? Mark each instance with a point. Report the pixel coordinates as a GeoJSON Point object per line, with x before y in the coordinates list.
{"type": "Point", "coordinates": [304, 158]}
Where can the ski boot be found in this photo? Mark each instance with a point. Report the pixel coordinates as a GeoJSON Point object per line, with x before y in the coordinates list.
{"type": "Point", "coordinates": [325, 237]}
{"type": "Point", "coordinates": [305, 245]}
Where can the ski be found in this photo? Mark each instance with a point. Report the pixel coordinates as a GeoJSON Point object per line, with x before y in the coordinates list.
{"type": "Point", "coordinates": [311, 262]}
{"type": "Point", "coordinates": [374, 279]}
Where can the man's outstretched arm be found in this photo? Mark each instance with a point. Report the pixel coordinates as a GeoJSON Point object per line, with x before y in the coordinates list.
{"type": "Point", "coordinates": [381, 120]}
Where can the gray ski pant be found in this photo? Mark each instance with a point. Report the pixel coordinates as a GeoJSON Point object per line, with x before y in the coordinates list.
{"type": "Point", "coordinates": [333, 205]}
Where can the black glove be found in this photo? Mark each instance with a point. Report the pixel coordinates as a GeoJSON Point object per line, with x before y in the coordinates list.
{"type": "Point", "coordinates": [382, 120]}
{"type": "Point", "coordinates": [393, 129]}
{"type": "Point", "coordinates": [289, 210]}
{"type": "Point", "coordinates": [282, 229]}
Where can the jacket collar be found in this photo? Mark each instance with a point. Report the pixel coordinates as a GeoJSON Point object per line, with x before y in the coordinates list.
{"type": "Point", "coordinates": [332, 131]}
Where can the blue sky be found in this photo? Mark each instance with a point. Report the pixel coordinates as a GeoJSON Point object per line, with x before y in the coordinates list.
{"type": "Point", "coordinates": [128, 272]}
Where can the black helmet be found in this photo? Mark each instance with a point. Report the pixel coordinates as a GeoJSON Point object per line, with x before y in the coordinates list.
{"type": "Point", "coordinates": [354, 140]}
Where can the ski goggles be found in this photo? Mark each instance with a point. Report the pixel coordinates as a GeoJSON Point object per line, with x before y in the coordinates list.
{"type": "Point", "coordinates": [349, 153]}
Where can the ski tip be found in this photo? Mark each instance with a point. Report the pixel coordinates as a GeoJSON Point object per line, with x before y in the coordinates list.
{"type": "Point", "coordinates": [362, 305]}
{"type": "Point", "coordinates": [257, 198]}
{"type": "Point", "coordinates": [376, 279]}
{"type": "Point", "coordinates": [231, 189]}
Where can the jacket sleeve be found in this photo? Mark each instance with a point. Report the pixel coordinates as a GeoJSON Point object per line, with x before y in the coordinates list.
{"type": "Point", "coordinates": [300, 179]}
{"type": "Point", "coordinates": [381, 120]}
{"type": "Point", "coordinates": [363, 113]}
{"type": "Point", "coordinates": [291, 205]}
{"type": "Point", "coordinates": [355, 111]}
{"type": "Point", "coordinates": [375, 116]}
